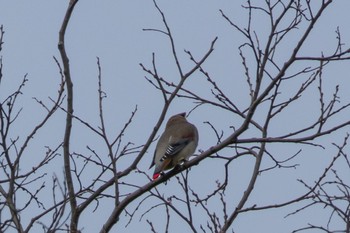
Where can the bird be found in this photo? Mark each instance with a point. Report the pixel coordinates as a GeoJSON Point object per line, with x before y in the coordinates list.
{"type": "Point", "coordinates": [177, 143]}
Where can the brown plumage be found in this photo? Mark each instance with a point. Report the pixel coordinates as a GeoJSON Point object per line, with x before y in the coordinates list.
{"type": "Point", "coordinates": [177, 143]}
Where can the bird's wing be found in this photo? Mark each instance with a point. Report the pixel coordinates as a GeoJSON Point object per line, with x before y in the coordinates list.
{"type": "Point", "coordinates": [174, 148]}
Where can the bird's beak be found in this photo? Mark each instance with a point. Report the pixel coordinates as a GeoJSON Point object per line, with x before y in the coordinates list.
{"type": "Point", "coordinates": [182, 114]}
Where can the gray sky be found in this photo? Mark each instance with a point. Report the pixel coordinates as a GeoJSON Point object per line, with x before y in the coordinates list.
{"type": "Point", "coordinates": [112, 30]}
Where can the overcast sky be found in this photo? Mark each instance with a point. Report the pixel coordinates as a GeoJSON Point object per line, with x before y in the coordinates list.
{"type": "Point", "coordinates": [112, 31]}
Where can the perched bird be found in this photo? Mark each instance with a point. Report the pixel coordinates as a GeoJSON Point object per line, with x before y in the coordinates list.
{"type": "Point", "coordinates": [177, 144]}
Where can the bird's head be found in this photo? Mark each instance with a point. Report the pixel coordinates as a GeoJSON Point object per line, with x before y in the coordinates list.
{"type": "Point", "coordinates": [181, 117]}
{"type": "Point", "coordinates": [183, 114]}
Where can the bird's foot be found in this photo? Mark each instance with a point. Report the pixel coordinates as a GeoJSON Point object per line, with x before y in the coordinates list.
{"type": "Point", "coordinates": [180, 164]}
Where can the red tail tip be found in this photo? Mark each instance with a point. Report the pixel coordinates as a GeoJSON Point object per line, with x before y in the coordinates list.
{"type": "Point", "coordinates": [155, 176]}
